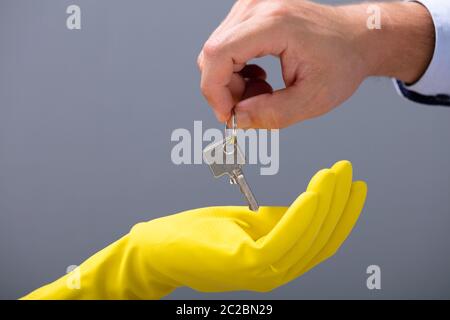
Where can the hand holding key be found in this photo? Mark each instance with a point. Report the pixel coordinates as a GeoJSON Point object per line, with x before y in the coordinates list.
{"type": "Point", "coordinates": [225, 158]}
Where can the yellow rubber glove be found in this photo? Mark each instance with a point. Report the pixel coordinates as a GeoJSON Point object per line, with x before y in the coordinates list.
{"type": "Point", "coordinates": [223, 248]}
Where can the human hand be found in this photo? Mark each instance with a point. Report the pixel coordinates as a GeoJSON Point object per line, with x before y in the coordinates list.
{"type": "Point", "coordinates": [222, 248]}
{"type": "Point", "coordinates": [325, 53]}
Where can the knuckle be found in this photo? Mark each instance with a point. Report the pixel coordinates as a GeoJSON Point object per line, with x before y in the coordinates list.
{"type": "Point", "coordinates": [250, 2]}
{"type": "Point", "coordinates": [279, 9]}
{"type": "Point", "coordinates": [212, 48]}
{"type": "Point", "coordinates": [199, 61]}
{"type": "Point", "coordinates": [205, 88]}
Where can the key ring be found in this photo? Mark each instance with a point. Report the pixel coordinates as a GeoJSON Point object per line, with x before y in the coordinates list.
{"type": "Point", "coordinates": [233, 127]}
{"type": "Point", "coordinates": [233, 139]}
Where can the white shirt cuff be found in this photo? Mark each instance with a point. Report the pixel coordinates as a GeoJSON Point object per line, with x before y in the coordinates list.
{"type": "Point", "coordinates": [436, 79]}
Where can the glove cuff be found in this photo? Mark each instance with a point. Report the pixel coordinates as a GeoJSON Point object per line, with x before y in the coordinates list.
{"type": "Point", "coordinates": [112, 273]}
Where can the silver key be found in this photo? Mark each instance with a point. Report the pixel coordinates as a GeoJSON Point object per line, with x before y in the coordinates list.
{"type": "Point", "coordinates": [225, 158]}
{"type": "Point", "coordinates": [238, 177]}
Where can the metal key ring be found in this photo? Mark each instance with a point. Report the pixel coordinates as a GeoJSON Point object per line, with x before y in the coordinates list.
{"type": "Point", "coordinates": [233, 132]}
{"type": "Point", "coordinates": [233, 126]}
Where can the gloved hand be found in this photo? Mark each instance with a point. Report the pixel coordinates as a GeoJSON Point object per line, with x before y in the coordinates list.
{"type": "Point", "coordinates": [223, 248]}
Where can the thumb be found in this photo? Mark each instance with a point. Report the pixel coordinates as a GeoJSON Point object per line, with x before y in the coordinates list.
{"type": "Point", "coordinates": [275, 110]}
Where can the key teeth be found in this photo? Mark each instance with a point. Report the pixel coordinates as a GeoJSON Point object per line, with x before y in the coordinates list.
{"type": "Point", "coordinates": [233, 170]}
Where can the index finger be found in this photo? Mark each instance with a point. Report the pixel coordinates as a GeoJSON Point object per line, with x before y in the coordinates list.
{"type": "Point", "coordinates": [224, 53]}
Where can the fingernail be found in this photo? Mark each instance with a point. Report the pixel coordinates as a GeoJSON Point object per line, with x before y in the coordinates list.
{"type": "Point", "coordinates": [243, 119]}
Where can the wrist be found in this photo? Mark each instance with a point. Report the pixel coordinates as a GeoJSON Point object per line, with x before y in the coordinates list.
{"type": "Point", "coordinates": [402, 47]}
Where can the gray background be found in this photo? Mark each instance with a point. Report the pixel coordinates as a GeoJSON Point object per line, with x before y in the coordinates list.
{"type": "Point", "coordinates": [85, 124]}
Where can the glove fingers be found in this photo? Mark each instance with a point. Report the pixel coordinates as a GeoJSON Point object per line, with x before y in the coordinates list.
{"type": "Point", "coordinates": [343, 228]}
{"type": "Point", "coordinates": [258, 224]}
{"type": "Point", "coordinates": [345, 225]}
{"type": "Point", "coordinates": [323, 224]}
{"type": "Point", "coordinates": [303, 217]}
